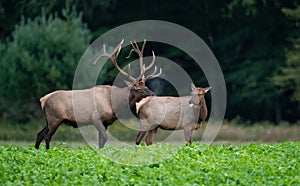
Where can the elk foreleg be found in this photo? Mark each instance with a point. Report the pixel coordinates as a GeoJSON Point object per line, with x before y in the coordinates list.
{"type": "Point", "coordinates": [150, 136]}
{"type": "Point", "coordinates": [139, 137]}
{"type": "Point", "coordinates": [143, 130]}
{"type": "Point", "coordinates": [188, 135]}
{"type": "Point", "coordinates": [101, 130]}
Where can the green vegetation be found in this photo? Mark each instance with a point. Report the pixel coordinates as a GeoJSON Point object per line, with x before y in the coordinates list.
{"type": "Point", "coordinates": [254, 164]}
{"type": "Point", "coordinates": [256, 43]}
{"type": "Point", "coordinates": [41, 57]}
{"type": "Point", "coordinates": [289, 80]}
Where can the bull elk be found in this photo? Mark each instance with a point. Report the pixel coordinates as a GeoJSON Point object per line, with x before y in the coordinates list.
{"type": "Point", "coordinates": [172, 113]}
{"type": "Point", "coordinates": [96, 106]}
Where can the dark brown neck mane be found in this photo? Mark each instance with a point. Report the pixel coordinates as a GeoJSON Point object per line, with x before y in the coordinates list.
{"type": "Point", "coordinates": [121, 102]}
{"type": "Point", "coordinates": [132, 103]}
{"type": "Point", "coordinates": [202, 110]}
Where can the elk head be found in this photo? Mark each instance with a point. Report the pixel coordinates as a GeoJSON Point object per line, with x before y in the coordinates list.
{"type": "Point", "coordinates": [198, 93]}
{"type": "Point", "coordinates": [138, 89]}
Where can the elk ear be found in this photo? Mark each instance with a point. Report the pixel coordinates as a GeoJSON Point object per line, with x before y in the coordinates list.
{"type": "Point", "coordinates": [207, 89]}
{"type": "Point", "coordinates": [129, 84]}
{"type": "Point", "coordinates": [193, 86]}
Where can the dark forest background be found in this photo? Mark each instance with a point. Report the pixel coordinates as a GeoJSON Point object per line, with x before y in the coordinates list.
{"type": "Point", "coordinates": [257, 43]}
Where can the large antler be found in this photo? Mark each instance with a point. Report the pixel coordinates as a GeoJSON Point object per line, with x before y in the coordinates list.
{"type": "Point", "coordinates": [113, 57]}
{"type": "Point", "coordinates": [143, 68]}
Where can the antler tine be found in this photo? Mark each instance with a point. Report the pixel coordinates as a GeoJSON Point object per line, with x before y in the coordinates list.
{"type": "Point", "coordinates": [142, 74]}
{"type": "Point", "coordinates": [114, 62]}
{"type": "Point", "coordinates": [132, 50]}
{"type": "Point", "coordinates": [136, 47]}
{"type": "Point", "coordinates": [143, 46]}
{"type": "Point", "coordinates": [152, 62]}
{"type": "Point", "coordinates": [143, 67]}
{"type": "Point", "coordinates": [129, 73]}
{"type": "Point", "coordinates": [153, 75]}
{"type": "Point", "coordinates": [113, 57]}
{"type": "Point", "coordinates": [115, 52]}
{"type": "Point", "coordinates": [140, 53]}
{"type": "Point", "coordinates": [105, 54]}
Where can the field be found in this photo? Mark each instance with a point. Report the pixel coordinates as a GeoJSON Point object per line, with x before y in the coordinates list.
{"type": "Point", "coordinates": [233, 131]}
{"type": "Point", "coordinates": [263, 159]}
{"type": "Point", "coordinates": [160, 164]}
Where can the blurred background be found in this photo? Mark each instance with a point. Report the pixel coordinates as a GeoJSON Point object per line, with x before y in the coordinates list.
{"type": "Point", "coordinates": [257, 43]}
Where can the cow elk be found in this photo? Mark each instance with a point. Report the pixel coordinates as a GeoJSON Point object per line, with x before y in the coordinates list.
{"type": "Point", "coordinates": [96, 106]}
{"type": "Point", "coordinates": [172, 113]}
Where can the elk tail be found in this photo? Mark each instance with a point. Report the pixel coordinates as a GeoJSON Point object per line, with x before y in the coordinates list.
{"type": "Point", "coordinates": [44, 99]}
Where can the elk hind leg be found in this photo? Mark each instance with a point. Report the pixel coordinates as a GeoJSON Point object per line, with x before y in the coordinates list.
{"type": "Point", "coordinates": [52, 127]}
{"type": "Point", "coordinates": [41, 136]}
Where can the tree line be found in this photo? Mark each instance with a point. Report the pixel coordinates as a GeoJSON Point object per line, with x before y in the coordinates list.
{"type": "Point", "coordinates": [257, 43]}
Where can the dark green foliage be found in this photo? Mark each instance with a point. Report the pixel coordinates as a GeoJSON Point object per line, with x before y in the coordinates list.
{"type": "Point", "coordinates": [289, 80]}
{"type": "Point", "coordinates": [251, 49]}
{"type": "Point", "coordinates": [41, 57]}
{"type": "Point", "coordinates": [256, 43]}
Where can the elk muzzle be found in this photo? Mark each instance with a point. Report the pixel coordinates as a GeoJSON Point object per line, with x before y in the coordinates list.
{"type": "Point", "coordinates": [148, 92]}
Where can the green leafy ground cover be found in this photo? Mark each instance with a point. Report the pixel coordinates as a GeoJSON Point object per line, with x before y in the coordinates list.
{"type": "Point", "coordinates": [160, 164]}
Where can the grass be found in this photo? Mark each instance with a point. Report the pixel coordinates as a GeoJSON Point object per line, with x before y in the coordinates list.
{"type": "Point", "coordinates": [233, 132]}
{"type": "Point", "coordinates": [159, 164]}
{"type": "Point", "coordinates": [262, 132]}
{"type": "Point", "coordinates": [11, 131]}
